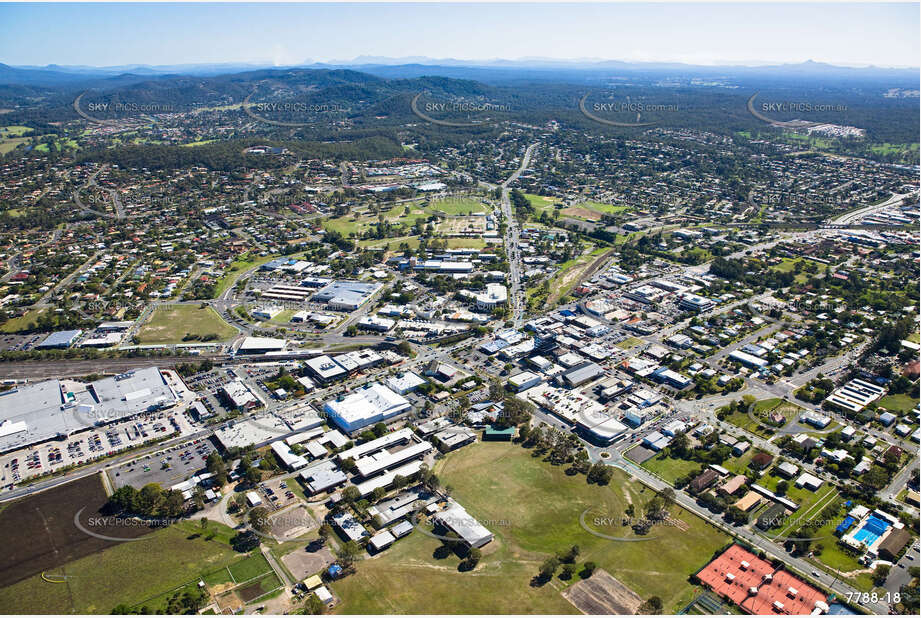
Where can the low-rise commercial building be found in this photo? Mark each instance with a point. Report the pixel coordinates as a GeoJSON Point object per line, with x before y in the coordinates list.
{"type": "Point", "coordinates": [366, 406]}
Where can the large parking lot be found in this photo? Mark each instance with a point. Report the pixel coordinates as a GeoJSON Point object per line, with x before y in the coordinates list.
{"type": "Point", "coordinates": [167, 467]}
{"type": "Point", "coordinates": [89, 445]}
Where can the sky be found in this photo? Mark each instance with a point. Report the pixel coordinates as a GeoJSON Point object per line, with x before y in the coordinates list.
{"type": "Point", "coordinates": [285, 34]}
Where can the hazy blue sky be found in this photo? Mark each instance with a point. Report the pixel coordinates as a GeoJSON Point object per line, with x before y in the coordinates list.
{"type": "Point", "coordinates": [113, 34]}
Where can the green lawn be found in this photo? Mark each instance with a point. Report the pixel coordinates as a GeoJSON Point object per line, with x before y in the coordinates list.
{"type": "Point", "coordinates": [11, 143]}
{"type": "Point", "coordinates": [542, 203]}
{"type": "Point", "coordinates": [171, 324]}
{"type": "Point", "coordinates": [629, 342]}
{"type": "Point", "coordinates": [738, 465]}
{"type": "Point", "coordinates": [15, 325]}
{"type": "Point", "coordinates": [11, 137]}
{"type": "Point", "coordinates": [458, 206]}
{"type": "Point", "coordinates": [14, 130]}
{"type": "Point", "coordinates": [669, 468]}
{"type": "Point", "coordinates": [898, 403]}
{"type": "Point", "coordinates": [762, 409]}
{"type": "Point", "coordinates": [610, 209]}
{"type": "Point", "coordinates": [248, 569]}
{"type": "Point", "coordinates": [284, 317]}
{"type": "Point", "coordinates": [788, 264]}
{"type": "Point", "coordinates": [237, 268]}
{"type": "Point", "coordinates": [534, 510]}
{"type": "Point", "coordinates": [124, 573]}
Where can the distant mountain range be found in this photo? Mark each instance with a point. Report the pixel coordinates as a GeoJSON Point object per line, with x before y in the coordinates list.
{"type": "Point", "coordinates": [485, 70]}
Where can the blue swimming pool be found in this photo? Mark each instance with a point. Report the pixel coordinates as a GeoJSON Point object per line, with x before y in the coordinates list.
{"type": "Point", "coordinates": [871, 530]}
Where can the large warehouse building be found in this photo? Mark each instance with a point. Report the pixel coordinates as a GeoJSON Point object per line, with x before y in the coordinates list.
{"type": "Point", "coordinates": [366, 406]}
{"type": "Point", "coordinates": [51, 409]}
{"type": "Point", "coordinates": [346, 295]}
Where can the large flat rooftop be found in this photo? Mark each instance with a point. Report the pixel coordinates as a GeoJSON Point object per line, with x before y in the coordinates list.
{"type": "Point", "coordinates": [38, 412]}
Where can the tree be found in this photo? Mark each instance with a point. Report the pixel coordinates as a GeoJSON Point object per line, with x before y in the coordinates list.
{"type": "Point", "coordinates": [349, 553]}
{"type": "Point", "coordinates": [588, 568]}
{"type": "Point", "coordinates": [149, 498]}
{"type": "Point", "coordinates": [782, 487]}
{"type": "Point", "coordinates": [351, 494]}
{"type": "Point", "coordinates": [313, 605]}
{"type": "Point", "coordinates": [378, 494]}
{"type": "Point", "coordinates": [567, 571]}
{"type": "Point", "coordinates": [599, 473]}
{"type": "Point", "coordinates": [652, 605]}
{"type": "Point", "coordinates": [881, 574]}
{"type": "Point", "coordinates": [259, 519]}
{"type": "Point", "coordinates": [679, 445]}
{"type": "Point", "coordinates": [570, 556]}
{"type": "Point", "coordinates": [428, 478]}
{"type": "Point", "coordinates": [472, 559]}
{"type": "Point", "coordinates": [253, 475]}
{"type": "Point", "coordinates": [216, 466]}
{"type": "Point", "coordinates": [668, 497]}
{"type": "Point", "coordinates": [325, 532]}
{"type": "Point", "coordinates": [549, 567]}
{"type": "Point", "coordinates": [245, 541]}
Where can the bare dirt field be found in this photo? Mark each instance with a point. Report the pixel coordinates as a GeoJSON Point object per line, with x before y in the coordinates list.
{"type": "Point", "coordinates": [602, 594]}
{"type": "Point", "coordinates": [303, 563]}
{"type": "Point", "coordinates": [39, 534]}
{"type": "Point", "coordinates": [291, 523]}
{"type": "Point", "coordinates": [462, 225]}
{"type": "Point", "coordinates": [581, 213]}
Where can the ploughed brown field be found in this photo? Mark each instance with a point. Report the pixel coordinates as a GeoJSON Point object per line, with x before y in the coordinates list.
{"type": "Point", "coordinates": [39, 534]}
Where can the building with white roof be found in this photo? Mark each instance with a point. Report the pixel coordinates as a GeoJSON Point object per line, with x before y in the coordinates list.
{"type": "Point", "coordinates": [406, 382]}
{"type": "Point", "coordinates": [238, 395]}
{"type": "Point", "coordinates": [855, 395]}
{"type": "Point", "coordinates": [287, 457]}
{"type": "Point", "coordinates": [456, 519]}
{"type": "Point", "coordinates": [325, 369]}
{"type": "Point", "coordinates": [261, 345]}
{"type": "Point", "coordinates": [495, 295]}
{"type": "Point", "coordinates": [366, 406]}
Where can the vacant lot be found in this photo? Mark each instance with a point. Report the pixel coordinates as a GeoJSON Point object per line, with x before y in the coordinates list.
{"type": "Point", "coordinates": [23, 323]}
{"type": "Point", "coordinates": [534, 510]}
{"type": "Point", "coordinates": [458, 206]}
{"type": "Point", "coordinates": [580, 212]}
{"type": "Point", "coordinates": [542, 202]}
{"type": "Point", "coordinates": [603, 594]}
{"type": "Point", "coordinates": [39, 533]}
{"type": "Point", "coordinates": [462, 225]}
{"type": "Point", "coordinates": [573, 271]}
{"type": "Point", "coordinates": [251, 568]}
{"type": "Point", "coordinates": [543, 505]}
{"type": "Point", "coordinates": [898, 403]}
{"type": "Point", "coordinates": [131, 572]}
{"type": "Point", "coordinates": [238, 267]}
{"type": "Point", "coordinates": [393, 244]}
{"type": "Point", "coordinates": [303, 563]}
{"type": "Point", "coordinates": [408, 579]}
{"type": "Point", "coordinates": [669, 468]}
{"type": "Point", "coordinates": [189, 323]}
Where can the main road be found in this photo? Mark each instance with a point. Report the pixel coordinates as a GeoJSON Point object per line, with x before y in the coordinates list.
{"type": "Point", "coordinates": [512, 241]}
